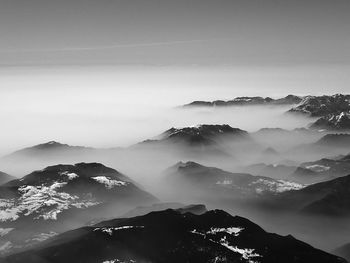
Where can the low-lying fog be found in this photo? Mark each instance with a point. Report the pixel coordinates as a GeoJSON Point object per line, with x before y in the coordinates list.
{"type": "Point", "coordinates": [119, 106]}
{"type": "Point", "coordinates": [109, 107]}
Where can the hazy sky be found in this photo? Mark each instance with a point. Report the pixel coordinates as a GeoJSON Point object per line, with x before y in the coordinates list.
{"type": "Point", "coordinates": [106, 72]}
{"type": "Point", "coordinates": [174, 31]}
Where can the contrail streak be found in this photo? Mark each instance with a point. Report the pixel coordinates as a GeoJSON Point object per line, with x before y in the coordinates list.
{"type": "Point", "coordinates": [151, 44]}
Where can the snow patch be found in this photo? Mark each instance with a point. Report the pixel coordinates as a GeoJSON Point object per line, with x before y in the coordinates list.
{"type": "Point", "coordinates": [7, 211]}
{"type": "Point", "coordinates": [108, 182]}
{"type": "Point", "coordinates": [228, 230]}
{"type": "Point", "coordinates": [214, 230]}
{"type": "Point", "coordinates": [43, 201]}
{"type": "Point", "coordinates": [247, 253]}
{"type": "Point", "coordinates": [277, 186]}
{"type": "Point", "coordinates": [224, 182]}
{"type": "Point", "coordinates": [5, 247]}
{"type": "Point", "coordinates": [110, 230]}
{"type": "Point", "coordinates": [318, 168]}
{"type": "Point", "coordinates": [70, 176]}
{"type": "Point", "coordinates": [42, 237]}
{"type": "Point", "coordinates": [119, 261]}
{"type": "Point", "coordinates": [5, 231]}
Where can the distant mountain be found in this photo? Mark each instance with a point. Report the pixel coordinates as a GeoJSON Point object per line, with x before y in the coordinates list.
{"type": "Point", "coordinates": [4, 178]}
{"type": "Point", "coordinates": [62, 196]}
{"type": "Point", "coordinates": [320, 106]}
{"type": "Point", "coordinates": [270, 151]}
{"type": "Point", "coordinates": [201, 140]}
{"type": "Point", "coordinates": [280, 171]}
{"type": "Point", "coordinates": [171, 237]}
{"type": "Point", "coordinates": [282, 132]}
{"type": "Point", "coordinates": [331, 198]}
{"type": "Point", "coordinates": [196, 209]}
{"type": "Point", "coordinates": [241, 101]}
{"type": "Point", "coordinates": [322, 170]}
{"type": "Point", "coordinates": [337, 121]}
{"type": "Point", "coordinates": [335, 140]}
{"type": "Point", "coordinates": [343, 251]}
{"type": "Point", "coordinates": [307, 176]}
{"type": "Point", "coordinates": [47, 149]}
{"type": "Point", "coordinates": [46, 154]}
{"type": "Point", "coordinates": [282, 139]}
{"type": "Point", "coordinates": [203, 134]}
{"type": "Point", "coordinates": [214, 183]}
{"type": "Point", "coordinates": [328, 145]}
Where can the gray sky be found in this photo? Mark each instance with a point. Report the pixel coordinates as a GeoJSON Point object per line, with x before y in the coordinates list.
{"type": "Point", "coordinates": [174, 32]}
{"type": "Point", "coordinates": [115, 68]}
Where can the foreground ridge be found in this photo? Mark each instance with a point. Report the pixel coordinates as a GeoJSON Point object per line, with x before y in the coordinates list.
{"type": "Point", "coordinates": [172, 236]}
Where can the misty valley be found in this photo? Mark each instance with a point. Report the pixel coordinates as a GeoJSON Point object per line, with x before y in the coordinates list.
{"type": "Point", "coordinates": [212, 192]}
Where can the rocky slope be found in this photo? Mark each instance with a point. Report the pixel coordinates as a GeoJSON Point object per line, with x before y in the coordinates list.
{"type": "Point", "coordinates": [60, 197]}
{"type": "Point", "coordinates": [320, 106]}
{"type": "Point", "coordinates": [336, 121]}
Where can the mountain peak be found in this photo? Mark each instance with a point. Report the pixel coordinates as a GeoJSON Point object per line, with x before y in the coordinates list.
{"type": "Point", "coordinates": [186, 165]}
{"type": "Point", "coordinates": [53, 142]}
{"type": "Point", "coordinates": [208, 130]}
{"type": "Point", "coordinates": [50, 144]}
{"type": "Point", "coordinates": [336, 121]}
{"type": "Point", "coordinates": [320, 106]}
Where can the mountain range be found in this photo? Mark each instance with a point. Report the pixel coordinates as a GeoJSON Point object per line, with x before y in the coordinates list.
{"type": "Point", "coordinates": [211, 183]}
{"type": "Point", "coordinates": [333, 111]}
{"type": "Point", "coordinates": [172, 236]}
{"type": "Point", "coordinates": [78, 209]}
{"type": "Point", "coordinates": [322, 170]}
{"type": "Point", "coordinates": [242, 101]}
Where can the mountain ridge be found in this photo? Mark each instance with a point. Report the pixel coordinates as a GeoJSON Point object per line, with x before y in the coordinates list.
{"type": "Point", "coordinates": [170, 236]}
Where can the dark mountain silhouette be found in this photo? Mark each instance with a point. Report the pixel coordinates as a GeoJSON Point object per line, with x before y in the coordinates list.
{"type": "Point", "coordinates": [343, 251]}
{"type": "Point", "coordinates": [171, 236]}
{"type": "Point", "coordinates": [330, 198]}
{"type": "Point", "coordinates": [143, 210]}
